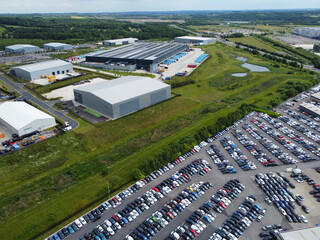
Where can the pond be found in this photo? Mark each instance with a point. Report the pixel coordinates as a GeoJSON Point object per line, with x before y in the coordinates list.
{"type": "Point", "coordinates": [251, 67]}
{"type": "Point", "coordinates": [239, 74]}
{"type": "Point", "coordinates": [242, 59]}
{"type": "Point", "coordinates": [255, 68]}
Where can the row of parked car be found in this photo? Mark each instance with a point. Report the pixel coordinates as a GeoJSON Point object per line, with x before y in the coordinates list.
{"type": "Point", "coordinates": [234, 227]}
{"type": "Point", "coordinates": [162, 217]}
{"type": "Point", "coordinates": [276, 189]}
{"type": "Point", "coordinates": [270, 146]}
{"type": "Point", "coordinates": [303, 119]}
{"type": "Point", "coordinates": [253, 148]}
{"type": "Point", "coordinates": [224, 196]}
{"type": "Point", "coordinates": [297, 151]}
{"type": "Point", "coordinates": [300, 178]}
{"type": "Point", "coordinates": [194, 224]}
{"type": "Point", "coordinates": [220, 160]}
{"type": "Point", "coordinates": [115, 201]}
{"type": "Point", "coordinates": [287, 143]}
{"type": "Point", "coordinates": [244, 163]}
{"type": "Point", "coordinates": [130, 212]}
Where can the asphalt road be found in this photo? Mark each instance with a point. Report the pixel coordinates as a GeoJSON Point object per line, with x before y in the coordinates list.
{"type": "Point", "coordinates": [218, 179]}
{"type": "Point", "coordinates": [45, 105]}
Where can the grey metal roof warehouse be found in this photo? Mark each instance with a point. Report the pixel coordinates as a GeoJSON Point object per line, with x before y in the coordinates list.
{"type": "Point", "coordinates": [22, 118]}
{"type": "Point", "coordinates": [22, 48]}
{"type": "Point", "coordinates": [57, 46]}
{"type": "Point", "coordinates": [36, 70]}
{"type": "Point", "coordinates": [114, 42]}
{"type": "Point", "coordinates": [145, 54]}
{"type": "Point", "coordinates": [310, 108]}
{"type": "Point", "coordinates": [311, 233]}
{"type": "Point", "coordinates": [192, 39]}
{"type": "Point", "coordinates": [118, 97]}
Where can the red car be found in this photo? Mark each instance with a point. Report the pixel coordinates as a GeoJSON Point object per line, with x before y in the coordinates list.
{"type": "Point", "coordinates": [114, 217]}
{"type": "Point", "coordinates": [193, 232]}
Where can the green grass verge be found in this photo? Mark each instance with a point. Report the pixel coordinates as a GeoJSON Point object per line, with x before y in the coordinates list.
{"type": "Point", "coordinates": [46, 191]}
{"type": "Point", "coordinates": [253, 41]}
{"type": "Point", "coordinates": [92, 112]}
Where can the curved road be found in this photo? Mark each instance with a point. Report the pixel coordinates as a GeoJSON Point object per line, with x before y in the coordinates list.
{"type": "Point", "coordinates": [18, 87]}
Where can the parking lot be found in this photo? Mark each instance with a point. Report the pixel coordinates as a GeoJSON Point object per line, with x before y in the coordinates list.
{"type": "Point", "coordinates": [264, 145]}
{"type": "Point", "coordinates": [66, 93]}
{"type": "Point", "coordinates": [182, 64]}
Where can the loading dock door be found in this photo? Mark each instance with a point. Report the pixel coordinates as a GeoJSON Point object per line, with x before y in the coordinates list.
{"type": "Point", "coordinates": [27, 130]}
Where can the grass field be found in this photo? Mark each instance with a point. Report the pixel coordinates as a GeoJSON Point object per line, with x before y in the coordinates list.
{"type": "Point", "coordinates": [254, 42]}
{"type": "Point", "coordinates": [92, 112]}
{"type": "Point", "coordinates": [47, 185]}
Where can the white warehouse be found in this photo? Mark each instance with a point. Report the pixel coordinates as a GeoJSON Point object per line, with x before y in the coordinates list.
{"type": "Point", "coordinates": [122, 41]}
{"type": "Point", "coordinates": [57, 46]}
{"type": "Point", "coordinates": [195, 40]}
{"type": "Point", "coordinates": [36, 70]}
{"type": "Point", "coordinates": [122, 96]}
{"type": "Point", "coordinates": [309, 32]}
{"type": "Point", "coordinates": [22, 48]}
{"type": "Point", "coordinates": [21, 118]}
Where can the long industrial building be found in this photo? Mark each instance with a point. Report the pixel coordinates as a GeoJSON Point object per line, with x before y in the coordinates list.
{"type": "Point", "coordinates": [310, 108]}
{"type": "Point", "coordinates": [57, 46]}
{"type": "Point", "coordinates": [122, 41]}
{"type": "Point", "coordinates": [309, 32]}
{"type": "Point", "coordinates": [21, 118]}
{"type": "Point", "coordinates": [140, 55]}
{"type": "Point", "coordinates": [122, 96]}
{"type": "Point", "coordinates": [309, 233]}
{"type": "Point", "coordinates": [195, 40]}
{"type": "Point", "coordinates": [36, 70]}
{"type": "Point", "coordinates": [22, 48]}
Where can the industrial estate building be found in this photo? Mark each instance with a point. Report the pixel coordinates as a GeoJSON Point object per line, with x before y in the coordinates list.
{"type": "Point", "coordinates": [37, 70]}
{"type": "Point", "coordinates": [22, 48]}
{"type": "Point", "coordinates": [195, 40]}
{"type": "Point", "coordinates": [57, 46]}
{"type": "Point", "coordinates": [122, 96]}
{"type": "Point", "coordinates": [309, 32]}
{"type": "Point", "coordinates": [122, 41]}
{"type": "Point", "coordinates": [310, 233]}
{"type": "Point", "coordinates": [140, 55]}
{"type": "Point", "coordinates": [310, 108]}
{"type": "Point", "coordinates": [315, 97]}
{"type": "Point", "coordinates": [21, 118]}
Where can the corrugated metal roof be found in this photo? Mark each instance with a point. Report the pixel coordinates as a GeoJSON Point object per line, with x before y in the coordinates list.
{"type": "Point", "coordinates": [19, 114]}
{"type": "Point", "coordinates": [312, 233]}
{"type": "Point", "coordinates": [42, 65]}
{"type": "Point", "coordinates": [19, 46]}
{"type": "Point", "coordinates": [141, 50]}
{"type": "Point", "coordinates": [124, 88]}
{"type": "Point", "coordinates": [311, 107]}
{"type": "Point", "coordinates": [194, 38]}
{"type": "Point", "coordinates": [316, 95]}
{"type": "Point", "coordinates": [55, 44]}
{"type": "Point", "coordinates": [121, 40]}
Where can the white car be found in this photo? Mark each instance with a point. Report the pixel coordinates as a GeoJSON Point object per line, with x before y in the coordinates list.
{"type": "Point", "coordinates": [304, 219]}
{"type": "Point", "coordinates": [109, 229]}
{"type": "Point", "coordinates": [108, 223]}
{"type": "Point", "coordinates": [78, 223]}
{"type": "Point", "coordinates": [83, 222]}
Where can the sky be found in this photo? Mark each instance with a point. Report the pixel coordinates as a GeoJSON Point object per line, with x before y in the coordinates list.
{"type": "Point", "coordinates": [87, 6]}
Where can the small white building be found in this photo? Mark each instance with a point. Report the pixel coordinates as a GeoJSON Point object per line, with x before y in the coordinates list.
{"type": "Point", "coordinates": [22, 118]}
{"type": "Point", "coordinates": [57, 46]}
{"type": "Point", "coordinates": [195, 40]}
{"type": "Point", "coordinates": [22, 48]}
{"type": "Point", "coordinates": [122, 41]}
{"type": "Point", "coordinates": [36, 70]}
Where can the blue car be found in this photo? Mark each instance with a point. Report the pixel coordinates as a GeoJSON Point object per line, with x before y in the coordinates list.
{"type": "Point", "coordinates": [207, 219]}
{"type": "Point", "coordinates": [102, 236]}
{"type": "Point", "coordinates": [151, 232]}
{"type": "Point", "coordinates": [70, 229]}
{"type": "Point", "coordinates": [56, 237]}
{"type": "Point", "coordinates": [125, 220]}
{"type": "Point", "coordinates": [143, 237]}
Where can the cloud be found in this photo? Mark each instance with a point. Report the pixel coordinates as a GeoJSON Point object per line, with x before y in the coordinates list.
{"type": "Point", "coordinates": [85, 6]}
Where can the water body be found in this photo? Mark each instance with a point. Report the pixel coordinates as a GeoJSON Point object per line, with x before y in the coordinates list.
{"type": "Point", "coordinates": [242, 59]}
{"type": "Point", "coordinates": [239, 74]}
{"type": "Point", "coordinates": [255, 68]}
